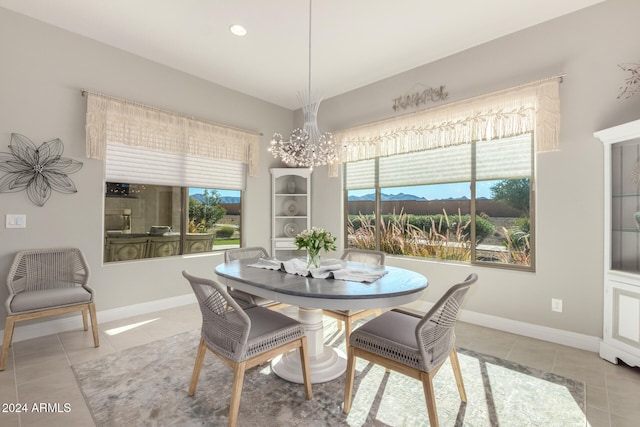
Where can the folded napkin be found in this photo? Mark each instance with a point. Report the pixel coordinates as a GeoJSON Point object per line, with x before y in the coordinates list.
{"type": "Point", "coordinates": [368, 276]}
{"type": "Point", "coordinates": [296, 266]}
{"type": "Point", "coordinates": [269, 264]}
{"type": "Point", "coordinates": [327, 271]}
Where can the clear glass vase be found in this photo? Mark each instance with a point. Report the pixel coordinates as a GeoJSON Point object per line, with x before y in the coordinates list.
{"type": "Point", "coordinates": [313, 259]}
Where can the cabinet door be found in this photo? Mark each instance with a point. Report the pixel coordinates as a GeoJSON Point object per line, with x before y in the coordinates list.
{"type": "Point", "coordinates": [626, 316]}
{"type": "Point", "coordinates": [625, 206]}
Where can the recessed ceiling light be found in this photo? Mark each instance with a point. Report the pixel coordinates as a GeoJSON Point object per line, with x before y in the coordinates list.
{"type": "Point", "coordinates": [238, 30]}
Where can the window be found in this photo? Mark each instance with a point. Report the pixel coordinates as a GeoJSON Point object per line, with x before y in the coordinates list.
{"type": "Point", "coordinates": [173, 182]}
{"type": "Point", "coordinates": [161, 204]}
{"type": "Point", "coordinates": [470, 203]}
{"type": "Point", "coordinates": [472, 162]}
{"type": "Point", "coordinates": [146, 220]}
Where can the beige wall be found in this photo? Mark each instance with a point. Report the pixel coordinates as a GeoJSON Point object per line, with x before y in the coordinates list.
{"type": "Point", "coordinates": [587, 45]}
{"type": "Point", "coordinates": [43, 69]}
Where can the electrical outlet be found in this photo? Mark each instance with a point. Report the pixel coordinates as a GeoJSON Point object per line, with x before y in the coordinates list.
{"type": "Point", "coordinates": [556, 305]}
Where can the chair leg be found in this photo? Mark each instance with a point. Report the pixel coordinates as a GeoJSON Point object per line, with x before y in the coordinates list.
{"type": "Point", "coordinates": [94, 325]}
{"type": "Point", "coordinates": [306, 372]}
{"type": "Point", "coordinates": [457, 373]}
{"type": "Point", "coordinates": [427, 386]}
{"type": "Point", "coordinates": [339, 324]}
{"type": "Point", "coordinates": [202, 349]}
{"type": "Point", "coordinates": [84, 319]}
{"type": "Point", "coordinates": [6, 342]}
{"type": "Point", "coordinates": [236, 391]}
{"type": "Point", "coordinates": [348, 325]}
{"type": "Point", "coordinates": [349, 379]}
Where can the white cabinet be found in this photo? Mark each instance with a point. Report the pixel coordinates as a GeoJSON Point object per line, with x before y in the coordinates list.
{"type": "Point", "coordinates": [621, 334]}
{"type": "Point", "coordinates": [290, 209]}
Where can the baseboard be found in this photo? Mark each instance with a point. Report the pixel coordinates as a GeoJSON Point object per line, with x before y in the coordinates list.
{"type": "Point", "coordinates": [558, 336]}
{"type": "Point", "coordinates": [54, 326]}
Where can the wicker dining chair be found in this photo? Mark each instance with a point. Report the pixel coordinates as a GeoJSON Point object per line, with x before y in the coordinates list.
{"type": "Point", "coordinates": [243, 338]}
{"type": "Point", "coordinates": [348, 317]}
{"type": "Point", "coordinates": [47, 282]}
{"type": "Point", "coordinates": [246, 299]}
{"type": "Point", "coordinates": [412, 345]}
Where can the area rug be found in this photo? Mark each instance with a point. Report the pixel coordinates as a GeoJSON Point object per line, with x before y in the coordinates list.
{"type": "Point", "coordinates": [147, 386]}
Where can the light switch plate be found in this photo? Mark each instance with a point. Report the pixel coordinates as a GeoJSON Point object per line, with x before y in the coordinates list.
{"type": "Point", "coordinates": [16, 221]}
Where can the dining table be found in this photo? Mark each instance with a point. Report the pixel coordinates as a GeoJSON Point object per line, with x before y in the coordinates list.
{"type": "Point", "coordinates": [361, 286]}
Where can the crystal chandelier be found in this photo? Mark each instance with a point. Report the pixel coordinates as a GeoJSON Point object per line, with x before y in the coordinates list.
{"type": "Point", "coordinates": [306, 147]}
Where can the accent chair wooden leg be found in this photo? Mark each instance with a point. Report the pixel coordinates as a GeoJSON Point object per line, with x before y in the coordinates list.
{"type": "Point", "coordinates": [339, 324]}
{"type": "Point", "coordinates": [349, 379]}
{"type": "Point", "coordinates": [427, 386]}
{"type": "Point", "coordinates": [348, 325]}
{"type": "Point", "coordinates": [306, 371]}
{"type": "Point", "coordinates": [236, 392]}
{"type": "Point", "coordinates": [94, 325]}
{"type": "Point", "coordinates": [6, 342]}
{"type": "Point", "coordinates": [85, 323]}
{"type": "Point", "coordinates": [202, 349]}
{"type": "Point", "coordinates": [457, 373]}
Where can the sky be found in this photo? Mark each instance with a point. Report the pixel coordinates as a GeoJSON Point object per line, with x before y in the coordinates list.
{"type": "Point", "coordinates": [222, 193]}
{"type": "Point", "coordinates": [436, 192]}
{"type": "Point", "coordinates": [429, 192]}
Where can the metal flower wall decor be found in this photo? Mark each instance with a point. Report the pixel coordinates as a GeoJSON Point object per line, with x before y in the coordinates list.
{"type": "Point", "coordinates": [632, 82]}
{"type": "Point", "coordinates": [37, 169]}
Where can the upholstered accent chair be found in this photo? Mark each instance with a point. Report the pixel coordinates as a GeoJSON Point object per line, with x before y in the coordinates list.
{"type": "Point", "coordinates": [348, 317]}
{"type": "Point", "coordinates": [243, 338]}
{"type": "Point", "coordinates": [246, 299]}
{"type": "Point", "coordinates": [47, 282]}
{"type": "Point", "coordinates": [412, 345]}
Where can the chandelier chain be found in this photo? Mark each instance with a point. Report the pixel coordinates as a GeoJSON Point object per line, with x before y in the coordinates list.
{"type": "Point", "coordinates": [306, 147]}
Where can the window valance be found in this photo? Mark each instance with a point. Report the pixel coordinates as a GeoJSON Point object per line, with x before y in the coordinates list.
{"type": "Point", "coordinates": [534, 107]}
{"type": "Point", "coordinates": [120, 121]}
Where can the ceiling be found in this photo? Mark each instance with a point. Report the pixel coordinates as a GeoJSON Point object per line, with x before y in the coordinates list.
{"type": "Point", "coordinates": [353, 43]}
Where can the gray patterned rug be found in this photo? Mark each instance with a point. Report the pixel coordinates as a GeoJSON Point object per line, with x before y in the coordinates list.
{"type": "Point", "coordinates": [147, 386]}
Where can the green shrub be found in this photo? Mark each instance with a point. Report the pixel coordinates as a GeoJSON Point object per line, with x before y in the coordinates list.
{"type": "Point", "coordinates": [517, 237]}
{"type": "Point", "coordinates": [225, 232]}
{"type": "Point", "coordinates": [484, 228]}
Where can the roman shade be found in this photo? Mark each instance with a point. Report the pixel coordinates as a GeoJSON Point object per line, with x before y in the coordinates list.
{"type": "Point", "coordinates": [125, 163]}
{"type": "Point", "coordinates": [447, 165]}
{"type": "Point", "coordinates": [532, 108]}
{"type": "Point", "coordinates": [115, 121]}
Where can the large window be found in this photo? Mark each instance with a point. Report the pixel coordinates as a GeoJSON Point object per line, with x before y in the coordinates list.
{"type": "Point", "coordinates": [150, 220]}
{"type": "Point", "coordinates": [173, 182]}
{"type": "Point", "coordinates": [470, 203]}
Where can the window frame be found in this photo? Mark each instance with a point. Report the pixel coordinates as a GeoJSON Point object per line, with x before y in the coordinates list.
{"type": "Point", "coordinates": [183, 218]}
{"type": "Point", "coordinates": [473, 212]}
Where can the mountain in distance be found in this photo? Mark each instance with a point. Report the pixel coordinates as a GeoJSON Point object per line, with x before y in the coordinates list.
{"type": "Point", "coordinates": [400, 196]}
{"type": "Point", "coordinates": [223, 200]}
{"type": "Point", "coordinates": [386, 197]}
{"type": "Point", "coordinates": [367, 197]}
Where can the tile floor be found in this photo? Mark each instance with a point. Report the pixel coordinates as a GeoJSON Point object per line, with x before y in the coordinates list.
{"type": "Point", "coordinates": [39, 370]}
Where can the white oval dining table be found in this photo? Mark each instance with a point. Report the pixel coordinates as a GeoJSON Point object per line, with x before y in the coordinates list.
{"type": "Point", "coordinates": [311, 295]}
